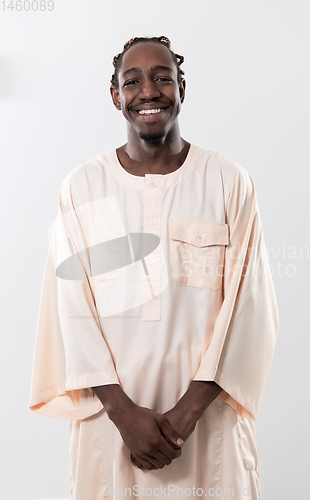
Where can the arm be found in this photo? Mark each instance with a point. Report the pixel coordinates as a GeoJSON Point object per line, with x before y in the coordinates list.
{"type": "Point", "coordinates": [149, 436]}
{"type": "Point", "coordinates": [71, 353]}
{"type": "Point", "coordinates": [188, 410]}
{"type": "Point", "coordinates": [239, 355]}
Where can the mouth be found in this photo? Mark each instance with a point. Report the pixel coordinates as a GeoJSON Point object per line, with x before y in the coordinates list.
{"type": "Point", "coordinates": [150, 113]}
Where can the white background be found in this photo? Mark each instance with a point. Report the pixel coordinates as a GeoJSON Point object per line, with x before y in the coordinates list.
{"type": "Point", "coordinates": [247, 97]}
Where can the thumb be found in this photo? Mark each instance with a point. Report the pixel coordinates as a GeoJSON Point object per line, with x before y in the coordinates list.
{"type": "Point", "coordinates": [169, 432]}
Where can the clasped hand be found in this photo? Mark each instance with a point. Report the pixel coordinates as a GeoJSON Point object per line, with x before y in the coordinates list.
{"type": "Point", "coordinates": [153, 439]}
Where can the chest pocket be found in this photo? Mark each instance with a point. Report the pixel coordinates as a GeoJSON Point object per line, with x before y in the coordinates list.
{"type": "Point", "coordinates": [197, 252]}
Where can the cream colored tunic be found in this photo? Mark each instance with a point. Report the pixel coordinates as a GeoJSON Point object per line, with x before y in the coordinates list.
{"type": "Point", "coordinates": [152, 282]}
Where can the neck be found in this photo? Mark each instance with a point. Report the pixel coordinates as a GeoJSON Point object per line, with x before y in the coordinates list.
{"type": "Point", "coordinates": [154, 155]}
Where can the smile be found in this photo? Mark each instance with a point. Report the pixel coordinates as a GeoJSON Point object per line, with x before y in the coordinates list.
{"type": "Point", "coordinates": [150, 111]}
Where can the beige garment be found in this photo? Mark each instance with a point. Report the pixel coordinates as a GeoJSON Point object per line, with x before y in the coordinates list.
{"type": "Point", "coordinates": [152, 282]}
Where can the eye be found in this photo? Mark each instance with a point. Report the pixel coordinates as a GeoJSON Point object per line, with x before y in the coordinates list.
{"type": "Point", "coordinates": [130, 82]}
{"type": "Point", "coordinates": [164, 78]}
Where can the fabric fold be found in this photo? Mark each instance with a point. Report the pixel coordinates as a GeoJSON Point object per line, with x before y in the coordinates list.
{"type": "Point", "coordinates": [239, 355]}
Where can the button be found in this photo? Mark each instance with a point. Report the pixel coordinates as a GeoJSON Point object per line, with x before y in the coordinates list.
{"type": "Point", "coordinates": [152, 261]}
{"type": "Point", "coordinates": [152, 222]}
{"type": "Point", "coordinates": [153, 184]}
{"type": "Point", "coordinates": [199, 237]}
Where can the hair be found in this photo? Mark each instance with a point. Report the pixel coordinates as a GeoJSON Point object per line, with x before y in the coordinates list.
{"type": "Point", "coordinates": [117, 60]}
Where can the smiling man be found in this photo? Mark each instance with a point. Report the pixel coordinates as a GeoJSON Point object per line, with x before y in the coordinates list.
{"type": "Point", "coordinates": [158, 317]}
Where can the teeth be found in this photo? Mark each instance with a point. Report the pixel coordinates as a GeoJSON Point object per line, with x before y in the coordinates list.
{"type": "Point", "coordinates": [149, 111]}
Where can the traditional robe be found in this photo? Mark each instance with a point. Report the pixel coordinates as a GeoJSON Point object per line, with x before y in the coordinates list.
{"type": "Point", "coordinates": [150, 282]}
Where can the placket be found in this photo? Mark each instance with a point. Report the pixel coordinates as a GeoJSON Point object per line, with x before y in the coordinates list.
{"type": "Point", "coordinates": [152, 224]}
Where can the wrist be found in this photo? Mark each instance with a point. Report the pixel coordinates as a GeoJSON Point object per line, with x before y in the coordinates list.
{"type": "Point", "coordinates": [205, 392]}
{"type": "Point", "coordinates": [198, 397]}
{"type": "Point", "coordinates": [187, 410]}
{"type": "Point", "coordinates": [119, 408]}
{"type": "Point", "coordinates": [114, 400]}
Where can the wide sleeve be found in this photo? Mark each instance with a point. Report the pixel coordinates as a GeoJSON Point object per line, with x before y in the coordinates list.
{"type": "Point", "coordinates": [71, 354]}
{"type": "Point", "coordinates": [245, 331]}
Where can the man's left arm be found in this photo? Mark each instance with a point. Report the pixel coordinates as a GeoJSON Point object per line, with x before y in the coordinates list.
{"type": "Point", "coordinates": [188, 410]}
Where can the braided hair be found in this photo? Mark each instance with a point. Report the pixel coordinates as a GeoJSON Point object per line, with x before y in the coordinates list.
{"type": "Point", "coordinates": [117, 60]}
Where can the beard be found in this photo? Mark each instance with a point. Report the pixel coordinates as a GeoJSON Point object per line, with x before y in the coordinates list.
{"type": "Point", "coordinates": [152, 137]}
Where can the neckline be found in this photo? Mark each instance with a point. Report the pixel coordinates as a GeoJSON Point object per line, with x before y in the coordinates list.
{"type": "Point", "coordinates": [168, 180]}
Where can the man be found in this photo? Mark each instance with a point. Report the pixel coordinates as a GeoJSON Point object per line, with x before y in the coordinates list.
{"type": "Point", "coordinates": [158, 316]}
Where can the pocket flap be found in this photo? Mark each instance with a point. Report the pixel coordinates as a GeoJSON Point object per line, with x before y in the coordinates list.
{"type": "Point", "coordinates": [201, 233]}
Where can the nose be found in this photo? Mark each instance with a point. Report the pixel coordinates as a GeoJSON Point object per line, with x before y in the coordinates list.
{"type": "Point", "coordinates": [149, 90]}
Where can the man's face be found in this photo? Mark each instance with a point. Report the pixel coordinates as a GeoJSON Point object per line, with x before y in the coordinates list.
{"type": "Point", "coordinates": [148, 81]}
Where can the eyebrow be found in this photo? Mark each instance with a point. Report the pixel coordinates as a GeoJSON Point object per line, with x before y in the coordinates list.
{"type": "Point", "coordinates": [154, 68]}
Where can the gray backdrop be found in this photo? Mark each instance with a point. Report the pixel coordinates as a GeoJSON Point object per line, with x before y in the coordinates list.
{"type": "Point", "coordinates": [247, 72]}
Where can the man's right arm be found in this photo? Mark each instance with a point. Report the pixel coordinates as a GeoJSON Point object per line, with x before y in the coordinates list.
{"type": "Point", "coordinates": [147, 434]}
{"type": "Point", "coordinates": [113, 399]}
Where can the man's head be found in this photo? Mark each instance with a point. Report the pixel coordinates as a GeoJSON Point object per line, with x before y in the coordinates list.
{"type": "Point", "coordinates": [148, 77]}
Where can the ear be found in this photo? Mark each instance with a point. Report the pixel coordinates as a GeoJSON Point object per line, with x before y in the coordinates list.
{"type": "Point", "coordinates": [182, 86]}
{"type": "Point", "coordinates": [115, 97]}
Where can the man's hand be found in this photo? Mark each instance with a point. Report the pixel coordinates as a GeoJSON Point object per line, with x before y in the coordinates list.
{"type": "Point", "coordinates": [184, 425]}
{"type": "Point", "coordinates": [188, 410]}
{"type": "Point", "coordinates": [148, 435]}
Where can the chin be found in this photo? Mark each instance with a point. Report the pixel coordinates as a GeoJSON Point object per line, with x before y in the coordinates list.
{"type": "Point", "coordinates": [152, 138]}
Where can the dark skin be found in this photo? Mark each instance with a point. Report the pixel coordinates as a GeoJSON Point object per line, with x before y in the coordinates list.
{"type": "Point", "coordinates": [148, 80]}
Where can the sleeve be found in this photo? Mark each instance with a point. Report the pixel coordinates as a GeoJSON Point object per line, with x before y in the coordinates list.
{"type": "Point", "coordinates": [70, 354]}
{"type": "Point", "coordinates": [245, 331]}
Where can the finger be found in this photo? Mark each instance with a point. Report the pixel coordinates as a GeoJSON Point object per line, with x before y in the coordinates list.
{"type": "Point", "coordinates": [144, 463]}
{"type": "Point", "coordinates": [147, 464]}
{"type": "Point", "coordinates": [167, 450]}
{"type": "Point", "coordinates": [163, 458]}
{"type": "Point", "coordinates": [136, 462]}
{"type": "Point", "coordinates": [157, 464]}
{"type": "Point", "coordinates": [169, 432]}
